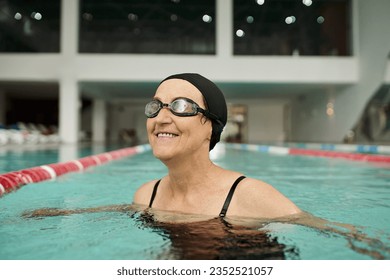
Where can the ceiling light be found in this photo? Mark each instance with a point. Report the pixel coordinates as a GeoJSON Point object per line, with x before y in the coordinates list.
{"type": "Point", "coordinates": [18, 16]}
{"type": "Point", "coordinates": [207, 18]}
{"type": "Point", "coordinates": [320, 19]}
{"type": "Point", "coordinates": [290, 20]}
{"type": "Point", "coordinates": [38, 16]}
{"type": "Point", "coordinates": [250, 19]}
{"type": "Point", "coordinates": [132, 17]}
{"type": "Point", "coordinates": [240, 33]}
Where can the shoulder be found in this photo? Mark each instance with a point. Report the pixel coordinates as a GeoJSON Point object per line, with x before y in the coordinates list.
{"type": "Point", "coordinates": [143, 194]}
{"type": "Point", "coordinates": [255, 198]}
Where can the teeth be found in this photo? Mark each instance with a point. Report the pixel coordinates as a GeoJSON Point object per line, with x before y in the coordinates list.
{"type": "Point", "coordinates": [164, 134]}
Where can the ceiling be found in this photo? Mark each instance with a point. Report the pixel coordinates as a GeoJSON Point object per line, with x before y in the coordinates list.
{"type": "Point", "coordinates": [232, 91]}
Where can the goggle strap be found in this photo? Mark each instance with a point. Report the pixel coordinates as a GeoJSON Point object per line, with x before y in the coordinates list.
{"type": "Point", "coordinates": [211, 116]}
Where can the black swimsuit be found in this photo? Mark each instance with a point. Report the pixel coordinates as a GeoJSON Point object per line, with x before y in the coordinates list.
{"type": "Point", "coordinates": [225, 205]}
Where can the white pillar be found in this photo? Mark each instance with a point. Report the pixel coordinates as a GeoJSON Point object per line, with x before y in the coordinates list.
{"type": "Point", "coordinates": [2, 107]}
{"type": "Point", "coordinates": [99, 120]}
{"type": "Point", "coordinates": [224, 28]}
{"type": "Point", "coordinates": [69, 106]}
{"type": "Point", "coordinates": [69, 27]}
{"type": "Point", "coordinates": [68, 153]}
{"type": "Point", "coordinates": [69, 111]}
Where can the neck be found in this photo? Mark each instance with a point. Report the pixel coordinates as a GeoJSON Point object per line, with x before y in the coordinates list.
{"type": "Point", "coordinates": [191, 174]}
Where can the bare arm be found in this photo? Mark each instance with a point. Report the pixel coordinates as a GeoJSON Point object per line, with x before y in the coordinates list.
{"type": "Point", "coordinates": [51, 212]}
{"type": "Point", "coordinates": [351, 232]}
{"type": "Point", "coordinates": [263, 202]}
{"type": "Point", "coordinates": [141, 198]}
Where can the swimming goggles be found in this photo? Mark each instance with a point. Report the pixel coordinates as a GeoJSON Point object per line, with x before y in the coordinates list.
{"type": "Point", "coordinates": [182, 107]}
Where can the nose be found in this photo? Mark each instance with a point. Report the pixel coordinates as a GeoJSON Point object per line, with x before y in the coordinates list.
{"type": "Point", "coordinates": [164, 116]}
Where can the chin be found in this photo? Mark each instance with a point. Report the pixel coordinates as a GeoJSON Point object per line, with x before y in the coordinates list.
{"type": "Point", "coordinates": [162, 154]}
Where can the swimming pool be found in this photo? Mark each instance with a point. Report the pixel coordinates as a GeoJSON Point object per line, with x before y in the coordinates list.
{"type": "Point", "coordinates": [338, 190]}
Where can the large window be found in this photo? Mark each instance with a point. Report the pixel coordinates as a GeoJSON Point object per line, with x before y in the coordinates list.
{"type": "Point", "coordinates": [153, 26]}
{"type": "Point", "coordinates": [292, 27]}
{"type": "Point", "coordinates": [29, 26]}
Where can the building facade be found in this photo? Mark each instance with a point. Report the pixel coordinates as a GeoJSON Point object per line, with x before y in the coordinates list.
{"type": "Point", "coordinates": [283, 82]}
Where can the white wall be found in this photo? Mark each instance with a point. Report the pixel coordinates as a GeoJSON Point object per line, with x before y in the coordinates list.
{"type": "Point", "coordinates": [265, 122]}
{"type": "Point", "coordinates": [310, 123]}
{"type": "Point", "coordinates": [387, 74]}
{"type": "Point", "coordinates": [127, 115]}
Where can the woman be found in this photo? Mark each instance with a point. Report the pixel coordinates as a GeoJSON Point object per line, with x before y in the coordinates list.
{"type": "Point", "coordinates": [185, 120]}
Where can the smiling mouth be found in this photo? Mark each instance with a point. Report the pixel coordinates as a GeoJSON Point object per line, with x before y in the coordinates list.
{"type": "Point", "coordinates": [166, 135]}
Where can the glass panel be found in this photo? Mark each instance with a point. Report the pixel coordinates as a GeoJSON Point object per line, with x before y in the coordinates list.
{"type": "Point", "coordinates": [374, 123]}
{"type": "Point", "coordinates": [292, 27]}
{"type": "Point", "coordinates": [155, 26]}
{"type": "Point", "coordinates": [29, 26]}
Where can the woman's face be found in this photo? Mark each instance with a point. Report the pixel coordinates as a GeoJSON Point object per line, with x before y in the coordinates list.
{"type": "Point", "coordinates": [171, 135]}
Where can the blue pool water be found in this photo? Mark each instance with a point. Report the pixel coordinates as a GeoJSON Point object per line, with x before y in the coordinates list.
{"type": "Point", "coordinates": [355, 193]}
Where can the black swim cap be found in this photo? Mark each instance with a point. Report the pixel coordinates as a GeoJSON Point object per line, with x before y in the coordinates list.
{"type": "Point", "coordinates": [215, 102]}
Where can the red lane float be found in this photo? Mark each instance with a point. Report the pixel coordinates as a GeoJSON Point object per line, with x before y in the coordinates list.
{"type": "Point", "coordinates": [334, 154]}
{"type": "Point", "coordinates": [14, 180]}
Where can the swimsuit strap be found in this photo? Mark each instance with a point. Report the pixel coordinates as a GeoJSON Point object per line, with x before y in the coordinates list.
{"type": "Point", "coordinates": [154, 193]}
{"type": "Point", "coordinates": [229, 196]}
{"type": "Point", "coordinates": [225, 205]}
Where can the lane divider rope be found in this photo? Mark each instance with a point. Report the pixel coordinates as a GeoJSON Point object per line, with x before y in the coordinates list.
{"type": "Point", "coordinates": [2, 190]}
{"type": "Point", "coordinates": [310, 152]}
{"type": "Point", "coordinates": [352, 148]}
{"type": "Point", "coordinates": [14, 180]}
{"type": "Point", "coordinates": [344, 155]}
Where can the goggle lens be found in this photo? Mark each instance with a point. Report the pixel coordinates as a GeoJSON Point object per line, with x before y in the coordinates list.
{"type": "Point", "coordinates": [152, 108]}
{"type": "Point", "coordinates": [183, 106]}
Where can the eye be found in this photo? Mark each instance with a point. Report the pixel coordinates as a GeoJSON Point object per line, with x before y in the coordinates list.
{"type": "Point", "coordinates": [152, 108]}
{"type": "Point", "coordinates": [180, 106]}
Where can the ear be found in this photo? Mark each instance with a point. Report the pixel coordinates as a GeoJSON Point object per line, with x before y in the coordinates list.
{"type": "Point", "coordinates": [206, 121]}
{"type": "Point", "coordinates": [210, 130]}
